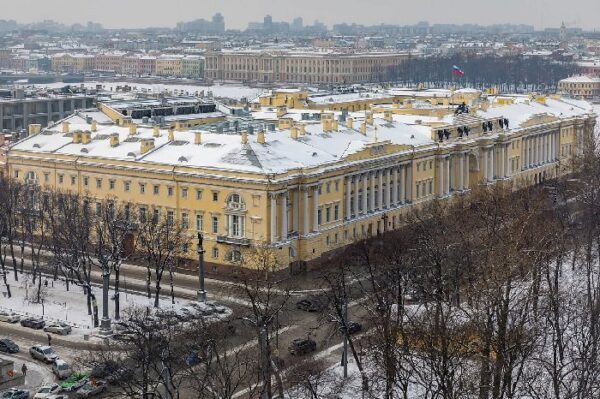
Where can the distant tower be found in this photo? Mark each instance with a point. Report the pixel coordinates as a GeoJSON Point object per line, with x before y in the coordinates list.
{"type": "Point", "coordinates": [564, 40]}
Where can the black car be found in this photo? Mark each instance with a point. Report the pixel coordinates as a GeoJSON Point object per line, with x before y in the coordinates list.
{"type": "Point", "coordinates": [311, 305]}
{"type": "Point", "coordinates": [302, 346]}
{"type": "Point", "coordinates": [8, 346]}
{"type": "Point", "coordinates": [33, 323]}
{"type": "Point", "coordinates": [353, 327]}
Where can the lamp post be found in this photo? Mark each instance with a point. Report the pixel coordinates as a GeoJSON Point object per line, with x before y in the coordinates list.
{"type": "Point", "coordinates": [200, 251]}
{"type": "Point", "coordinates": [105, 328]}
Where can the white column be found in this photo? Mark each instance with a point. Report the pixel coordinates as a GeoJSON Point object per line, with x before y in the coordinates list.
{"type": "Point", "coordinates": [296, 210]}
{"type": "Point", "coordinates": [447, 176]}
{"type": "Point", "coordinates": [388, 185]}
{"type": "Point", "coordinates": [380, 189]}
{"type": "Point", "coordinates": [501, 162]}
{"type": "Point", "coordinates": [284, 216]}
{"type": "Point", "coordinates": [461, 171]}
{"type": "Point", "coordinates": [372, 198]}
{"type": "Point", "coordinates": [395, 187]}
{"type": "Point", "coordinates": [525, 144]}
{"type": "Point", "coordinates": [348, 197]}
{"type": "Point", "coordinates": [305, 215]}
{"type": "Point", "coordinates": [451, 172]}
{"type": "Point", "coordinates": [484, 152]}
{"type": "Point", "coordinates": [316, 208]}
{"type": "Point", "coordinates": [536, 151]}
{"type": "Point", "coordinates": [466, 174]}
{"type": "Point", "coordinates": [364, 197]}
{"type": "Point", "coordinates": [506, 161]}
{"type": "Point", "coordinates": [441, 177]}
{"type": "Point", "coordinates": [355, 187]}
{"type": "Point", "coordinates": [403, 184]}
{"type": "Point", "coordinates": [409, 182]}
{"type": "Point", "coordinates": [273, 217]}
{"type": "Point", "coordinates": [492, 163]}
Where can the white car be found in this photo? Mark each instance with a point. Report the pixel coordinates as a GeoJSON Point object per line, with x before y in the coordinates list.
{"type": "Point", "coordinates": [46, 391]}
{"type": "Point", "coordinates": [61, 369]}
{"type": "Point", "coordinates": [43, 352]}
{"type": "Point", "coordinates": [9, 317]}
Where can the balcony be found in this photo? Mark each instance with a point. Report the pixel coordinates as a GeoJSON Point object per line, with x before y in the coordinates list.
{"type": "Point", "coordinates": [233, 240]}
{"type": "Point", "coordinates": [235, 207]}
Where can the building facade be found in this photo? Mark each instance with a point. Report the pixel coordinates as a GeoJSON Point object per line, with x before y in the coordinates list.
{"type": "Point", "coordinates": [304, 188]}
{"type": "Point", "coordinates": [586, 87]}
{"type": "Point", "coordinates": [317, 67]}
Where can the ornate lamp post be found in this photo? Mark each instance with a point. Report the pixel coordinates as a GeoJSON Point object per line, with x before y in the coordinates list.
{"type": "Point", "coordinates": [105, 328]}
{"type": "Point", "coordinates": [200, 251]}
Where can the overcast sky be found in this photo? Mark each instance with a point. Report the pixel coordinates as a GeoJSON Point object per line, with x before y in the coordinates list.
{"type": "Point", "coordinates": [237, 13]}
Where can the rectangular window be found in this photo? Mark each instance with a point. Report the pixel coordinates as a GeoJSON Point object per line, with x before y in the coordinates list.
{"type": "Point", "coordinates": [215, 224]}
{"type": "Point", "coordinates": [86, 181]}
{"type": "Point", "coordinates": [170, 191]}
{"type": "Point", "coordinates": [184, 192]}
{"type": "Point", "coordinates": [328, 187]}
{"type": "Point", "coordinates": [73, 180]}
{"type": "Point", "coordinates": [185, 222]}
{"type": "Point", "coordinates": [170, 218]}
{"type": "Point", "coordinates": [215, 252]}
{"type": "Point", "coordinates": [98, 183]}
{"type": "Point", "coordinates": [143, 215]}
{"type": "Point", "coordinates": [336, 212]}
{"type": "Point", "coordinates": [199, 222]}
{"type": "Point", "coordinates": [126, 185]}
{"type": "Point", "coordinates": [319, 216]}
{"type": "Point", "coordinates": [16, 174]}
{"type": "Point", "coordinates": [46, 177]}
{"type": "Point", "coordinates": [98, 208]}
{"type": "Point", "coordinates": [215, 196]}
{"type": "Point", "coordinates": [111, 184]}
{"type": "Point", "coordinates": [156, 215]}
{"type": "Point", "coordinates": [61, 178]}
{"type": "Point", "coordinates": [142, 188]}
{"type": "Point", "coordinates": [198, 194]}
{"type": "Point", "coordinates": [328, 214]}
{"type": "Point", "coordinates": [337, 185]}
{"type": "Point", "coordinates": [156, 189]}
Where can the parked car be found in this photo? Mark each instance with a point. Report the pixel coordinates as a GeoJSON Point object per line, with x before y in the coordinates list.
{"type": "Point", "coordinates": [302, 346]}
{"type": "Point", "coordinates": [110, 371]}
{"type": "Point", "coordinates": [15, 393]}
{"type": "Point", "coordinates": [30, 322]}
{"type": "Point", "coordinates": [8, 346]}
{"type": "Point", "coordinates": [47, 390]}
{"type": "Point", "coordinates": [58, 328]}
{"type": "Point", "coordinates": [311, 305]}
{"type": "Point", "coordinates": [9, 317]}
{"type": "Point", "coordinates": [43, 352]}
{"type": "Point", "coordinates": [353, 327]}
{"type": "Point", "coordinates": [74, 382]}
{"type": "Point", "coordinates": [59, 396]}
{"type": "Point", "coordinates": [91, 388]}
{"type": "Point", "coordinates": [61, 369]}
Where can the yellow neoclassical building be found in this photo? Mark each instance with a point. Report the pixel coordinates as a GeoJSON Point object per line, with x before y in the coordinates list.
{"type": "Point", "coordinates": [303, 183]}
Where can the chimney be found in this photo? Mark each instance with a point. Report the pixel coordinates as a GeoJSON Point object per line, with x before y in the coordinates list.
{"type": "Point", "coordinates": [77, 137]}
{"type": "Point", "coordinates": [281, 111]}
{"type": "Point", "coordinates": [302, 130]}
{"type": "Point", "coordinates": [94, 126]}
{"type": "Point", "coordinates": [325, 125]}
{"type": "Point", "coordinates": [132, 129]}
{"type": "Point", "coordinates": [197, 138]}
{"type": "Point", "coordinates": [334, 125]}
{"type": "Point", "coordinates": [350, 123]}
{"type": "Point", "coordinates": [369, 117]}
{"type": "Point", "coordinates": [114, 139]}
{"type": "Point", "coordinates": [260, 137]}
{"type": "Point", "coordinates": [171, 134]}
{"type": "Point", "coordinates": [146, 145]}
{"type": "Point", "coordinates": [34, 128]}
{"type": "Point", "coordinates": [387, 115]}
{"type": "Point", "coordinates": [244, 138]}
{"type": "Point", "coordinates": [65, 127]}
{"type": "Point", "coordinates": [179, 126]}
{"type": "Point", "coordinates": [156, 131]}
{"type": "Point", "coordinates": [294, 133]}
{"type": "Point", "coordinates": [86, 137]}
{"type": "Point", "coordinates": [363, 128]}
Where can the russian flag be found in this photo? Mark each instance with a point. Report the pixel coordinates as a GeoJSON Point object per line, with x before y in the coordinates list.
{"type": "Point", "coordinates": [456, 71]}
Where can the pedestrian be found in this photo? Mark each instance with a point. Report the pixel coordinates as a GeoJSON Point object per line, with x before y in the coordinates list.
{"type": "Point", "coordinates": [49, 340]}
{"type": "Point", "coordinates": [24, 370]}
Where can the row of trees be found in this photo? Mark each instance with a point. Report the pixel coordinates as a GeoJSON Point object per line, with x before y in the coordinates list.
{"type": "Point", "coordinates": [72, 237]}
{"type": "Point", "coordinates": [512, 74]}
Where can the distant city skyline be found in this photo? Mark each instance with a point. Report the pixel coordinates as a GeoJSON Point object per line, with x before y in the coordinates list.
{"type": "Point", "coordinates": [238, 13]}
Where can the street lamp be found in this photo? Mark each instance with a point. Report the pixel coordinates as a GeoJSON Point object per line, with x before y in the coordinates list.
{"type": "Point", "coordinates": [200, 251]}
{"type": "Point", "coordinates": [105, 328]}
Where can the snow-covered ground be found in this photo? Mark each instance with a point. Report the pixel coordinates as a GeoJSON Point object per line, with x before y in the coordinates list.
{"type": "Point", "coordinates": [69, 306]}
{"type": "Point", "coordinates": [232, 91]}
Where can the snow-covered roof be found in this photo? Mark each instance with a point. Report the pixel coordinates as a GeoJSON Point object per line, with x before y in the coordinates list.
{"type": "Point", "coordinates": [581, 79]}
